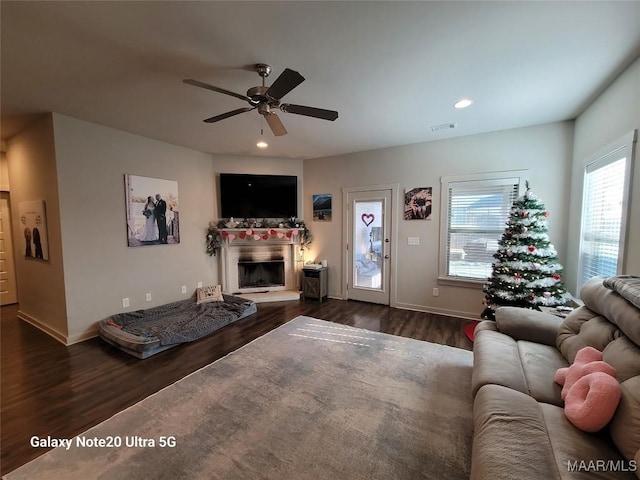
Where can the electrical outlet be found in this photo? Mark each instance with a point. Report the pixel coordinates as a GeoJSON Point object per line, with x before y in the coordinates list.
{"type": "Point", "coordinates": [148, 297]}
{"type": "Point", "coordinates": [436, 292]}
{"type": "Point", "coordinates": [199, 284]}
{"type": "Point", "coordinates": [413, 240]}
{"type": "Point", "coordinates": [125, 302]}
{"type": "Point", "coordinates": [184, 289]}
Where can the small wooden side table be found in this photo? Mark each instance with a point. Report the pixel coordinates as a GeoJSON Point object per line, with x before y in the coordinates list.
{"type": "Point", "coordinates": [315, 283]}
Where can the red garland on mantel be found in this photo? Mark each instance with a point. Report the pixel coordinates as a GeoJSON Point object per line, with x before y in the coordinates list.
{"type": "Point", "coordinates": [251, 233]}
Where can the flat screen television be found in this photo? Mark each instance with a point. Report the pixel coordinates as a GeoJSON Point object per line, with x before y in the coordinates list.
{"type": "Point", "coordinates": [258, 196]}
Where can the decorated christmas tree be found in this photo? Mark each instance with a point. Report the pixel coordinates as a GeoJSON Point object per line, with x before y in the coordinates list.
{"type": "Point", "coordinates": [526, 272]}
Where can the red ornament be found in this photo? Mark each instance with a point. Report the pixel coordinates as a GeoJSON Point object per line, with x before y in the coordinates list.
{"type": "Point", "coordinates": [224, 234]}
{"type": "Point", "coordinates": [289, 234]}
{"type": "Point", "coordinates": [242, 235]}
{"type": "Point", "coordinates": [532, 248]}
{"type": "Point", "coordinates": [556, 276]}
{"type": "Point", "coordinates": [508, 233]}
{"type": "Point", "coordinates": [546, 214]}
{"type": "Point", "coordinates": [265, 236]}
{"type": "Point", "coordinates": [531, 298]}
{"type": "Point", "coordinates": [517, 275]}
{"type": "Point", "coordinates": [524, 214]}
{"type": "Point", "coordinates": [272, 232]}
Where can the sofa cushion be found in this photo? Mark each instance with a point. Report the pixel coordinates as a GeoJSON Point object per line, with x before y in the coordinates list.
{"type": "Point", "coordinates": [526, 324]}
{"type": "Point", "coordinates": [540, 363]}
{"type": "Point", "coordinates": [624, 356]}
{"type": "Point", "coordinates": [613, 307]}
{"type": "Point", "coordinates": [578, 451]}
{"type": "Point", "coordinates": [510, 439]}
{"type": "Point", "coordinates": [585, 328]}
{"type": "Point", "coordinates": [625, 425]}
{"type": "Point", "coordinates": [527, 367]}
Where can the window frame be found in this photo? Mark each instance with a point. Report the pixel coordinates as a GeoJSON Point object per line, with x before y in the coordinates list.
{"type": "Point", "coordinates": [511, 177]}
{"type": "Point", "coordinates": [624, 147]}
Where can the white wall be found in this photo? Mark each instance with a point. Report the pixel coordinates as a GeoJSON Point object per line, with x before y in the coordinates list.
{"type": "Point", "coordinates": [99, 268]}
{"type": "Point", "coordinates": [32, 176]}
{"type": "Point", "coordinates": [545, 150]}
{"type": "Point", "coordinates": [613, 114]}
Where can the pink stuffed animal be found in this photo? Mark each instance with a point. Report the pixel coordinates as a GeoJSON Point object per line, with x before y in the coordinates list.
{"type": "Point", "coordinates": [588, 360]}
{"type": "Point", "coordinates": [590, 390]}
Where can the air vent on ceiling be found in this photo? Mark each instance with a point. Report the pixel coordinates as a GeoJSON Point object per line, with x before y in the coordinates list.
{"type": "Point", "coordinates": [444, 126]}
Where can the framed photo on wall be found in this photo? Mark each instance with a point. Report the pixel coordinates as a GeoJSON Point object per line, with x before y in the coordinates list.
{"type": "Point", "coordinates": [322, 207]}
{"type": "Point", "coordinates": [153, 211]}
{"type": "Point", "coordinates": [418, 203]}
{"type": "Point", "coordinates": [33, 221]}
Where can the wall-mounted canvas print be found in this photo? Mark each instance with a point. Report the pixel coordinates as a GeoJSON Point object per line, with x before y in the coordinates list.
{"type": "Point", "coordinates": [322, 207]}
{"type": "Point", "coordinates": [417, 203]}
{"type": "Point", "coordinates": [153, 211]}
{"type": "Point", "coordinates": [33, 221]}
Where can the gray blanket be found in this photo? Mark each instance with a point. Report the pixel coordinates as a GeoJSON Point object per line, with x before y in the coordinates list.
{"type": "Point", "coordinates": [626, 285]}
{"type": "Point", "coordinates": [182, 321]}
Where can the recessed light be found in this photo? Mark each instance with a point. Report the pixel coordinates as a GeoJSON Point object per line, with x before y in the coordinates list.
{"type": "Point", "coordinates": [262, 144]}
{"type": "Point", "coordinates": [463, 103]}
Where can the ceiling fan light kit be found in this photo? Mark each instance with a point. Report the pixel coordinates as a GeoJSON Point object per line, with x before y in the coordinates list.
{"type": "Point", "coordinates": [266, 99]}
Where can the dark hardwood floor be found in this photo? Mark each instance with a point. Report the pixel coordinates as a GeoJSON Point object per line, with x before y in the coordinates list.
{"type": "Point", "coordinates": [52, 390]}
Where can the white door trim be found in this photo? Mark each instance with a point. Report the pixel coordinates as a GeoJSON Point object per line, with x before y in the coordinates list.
{"type": "Point", "coordinates": [395, 206]}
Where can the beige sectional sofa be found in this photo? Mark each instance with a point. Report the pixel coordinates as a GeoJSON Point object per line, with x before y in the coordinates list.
{"type": "Point", "coordinates": [520, 429]}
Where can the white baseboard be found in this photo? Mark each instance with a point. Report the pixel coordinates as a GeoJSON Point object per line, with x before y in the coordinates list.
{"type": "Point", "coordinates": [52, 332]}
{"type": "Point", "coordinates": [438, 311]}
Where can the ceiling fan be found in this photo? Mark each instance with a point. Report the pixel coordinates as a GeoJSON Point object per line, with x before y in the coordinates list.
{"type": "Point", "coordinates": [266, 99]}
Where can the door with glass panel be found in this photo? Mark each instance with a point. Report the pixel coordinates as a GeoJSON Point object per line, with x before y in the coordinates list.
{"type": "Point", "coordinates": [369, 245]}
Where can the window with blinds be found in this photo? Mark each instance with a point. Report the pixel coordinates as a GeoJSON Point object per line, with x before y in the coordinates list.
{"type": "Point", "coordinates": [604, 212]}
{"type": "Point", "coordinates": [476, 214]}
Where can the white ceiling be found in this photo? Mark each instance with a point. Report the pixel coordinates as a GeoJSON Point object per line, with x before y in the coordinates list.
{"type": "Point", "coordinates": [392, 69]}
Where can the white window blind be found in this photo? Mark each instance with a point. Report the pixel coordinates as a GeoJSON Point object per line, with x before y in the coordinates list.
{"type": "Point", "coordinates": [477, 211]}
{"type": "Point", "coordinates": [605, 210]}
{"type": "Point", "coordinates": [602, 217]}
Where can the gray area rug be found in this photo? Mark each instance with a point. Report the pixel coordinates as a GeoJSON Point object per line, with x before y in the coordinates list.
{"type": "Point", "coordinates": [310, 400]}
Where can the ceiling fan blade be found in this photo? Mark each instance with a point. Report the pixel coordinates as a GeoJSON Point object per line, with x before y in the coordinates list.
{"type": "Point", "coordinates": [275, 124]}
{"type": "Point", "coordinates": [287, 81]}
{"type": "Point", "coordinates": [197, 83]}
{"type": "Point", "coordinates": [222, 116]}
{"type": "Point", "coordinates": [309, 111]}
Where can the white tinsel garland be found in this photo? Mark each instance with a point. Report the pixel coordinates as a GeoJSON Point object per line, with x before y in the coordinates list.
{"type": "Point", "coordinates": [518, 265]}
{"type": "Point", "coordinates": [538, 252]}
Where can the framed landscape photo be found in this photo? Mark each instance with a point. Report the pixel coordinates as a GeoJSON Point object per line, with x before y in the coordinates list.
{"type": "Point", "coordinates": [322, 207]}
{"type": "Point", "coordinates": [418, 203]}
{"type": "Point", "coordinates": [153, 211]}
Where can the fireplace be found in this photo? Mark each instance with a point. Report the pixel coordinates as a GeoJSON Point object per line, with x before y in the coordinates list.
{"type": "Point", "coordinates": [268, 274]}
{"type": "Point", "coordinates": [256, 266]}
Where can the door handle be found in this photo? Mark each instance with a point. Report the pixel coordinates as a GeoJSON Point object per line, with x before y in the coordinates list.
{"type": "Point", "coordinates": [386, 256]}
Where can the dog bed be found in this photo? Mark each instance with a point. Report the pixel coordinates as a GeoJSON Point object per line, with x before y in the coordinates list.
{"type": "Point", "coordinates": [143, 333]}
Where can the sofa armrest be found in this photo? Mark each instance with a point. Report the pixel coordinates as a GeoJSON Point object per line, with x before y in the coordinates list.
{"type": "Point", "coordinates": [531, 325]}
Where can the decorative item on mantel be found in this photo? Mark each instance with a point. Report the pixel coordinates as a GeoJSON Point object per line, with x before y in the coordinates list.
{"type": "Point", "coordinates": [216, 232]}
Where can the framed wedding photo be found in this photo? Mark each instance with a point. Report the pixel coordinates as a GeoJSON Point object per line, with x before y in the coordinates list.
{"type": "Point", "coordinates": [153, 211]}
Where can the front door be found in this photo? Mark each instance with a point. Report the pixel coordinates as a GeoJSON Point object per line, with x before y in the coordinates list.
{"type": "Point", "coordinates": [369, 245]}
